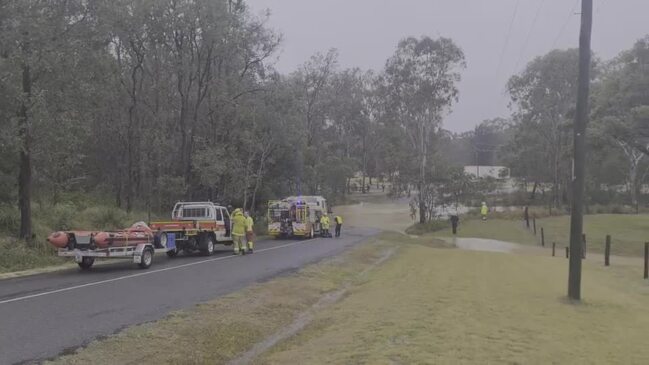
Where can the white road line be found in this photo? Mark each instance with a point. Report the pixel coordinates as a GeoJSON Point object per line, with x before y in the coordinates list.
{"type": "Point", "coordinates": [145, 273]}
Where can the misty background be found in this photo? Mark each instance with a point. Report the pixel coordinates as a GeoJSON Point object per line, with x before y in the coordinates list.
{"type": "Point", "coordinates": [366, 33]}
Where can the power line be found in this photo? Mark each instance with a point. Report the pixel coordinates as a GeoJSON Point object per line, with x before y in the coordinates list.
{"type": "Point", "coordinates": [529, 34]}
{"type": "Point", "coordinates": [507, 38]}
{"type": "Point", "coordinates": [565, 24]}
{"type": "Point", "coordinates": [509, 33]}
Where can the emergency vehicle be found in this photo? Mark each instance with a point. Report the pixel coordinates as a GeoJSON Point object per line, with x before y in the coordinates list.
{"type": "Point", "coordinates": [194, 226]}
{"type": "Point", "coordinates": [296, 216]}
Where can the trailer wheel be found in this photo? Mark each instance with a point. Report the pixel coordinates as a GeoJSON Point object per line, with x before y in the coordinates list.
{"type": "Point", "coordinates": [146, 259]}
{"type": "Point", "coordinates": [207, 245]}
{"type": "Point", "coordinates": [86, 262]}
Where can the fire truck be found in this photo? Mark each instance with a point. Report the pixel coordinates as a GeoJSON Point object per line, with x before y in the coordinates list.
{"type": "Point", "coordinates": [194, 226]}
{"type": "Point", "coordinates": [296, 216]}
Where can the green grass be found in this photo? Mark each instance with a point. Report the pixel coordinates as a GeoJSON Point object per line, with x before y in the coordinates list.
{"type": "Point", "coordinates": [496, 229]}
{"type": "Point", "coordinates": [428, 227]}
{"type": "Point", "coordinates": [220, 330]}
{"type": "Point", "coordinates": [423, 305]}
{"type": "Point", "coordinates": [628, 232]}
{"type": "Point", "coordinates": [16, 256]}
{"type": "Point", "coordinates": [76, 213]}
{"type": "Point", "coordinates": [457, 307]}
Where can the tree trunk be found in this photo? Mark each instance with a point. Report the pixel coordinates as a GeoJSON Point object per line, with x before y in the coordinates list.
{"type": "Point", "coordinates": [422, 177]}
{"type": "Point", "coordinates": [25, 173]}
{"type": "Point", "coordinates": [633, 180]}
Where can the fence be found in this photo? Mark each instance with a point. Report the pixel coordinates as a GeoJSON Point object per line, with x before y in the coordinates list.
{"type": "Point", "coordinates": [607, 245]}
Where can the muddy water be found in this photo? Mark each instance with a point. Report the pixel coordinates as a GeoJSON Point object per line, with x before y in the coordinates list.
{"type": "Point", "coordinates": [480, 244]}
{"type": "Point", "coordinates": [389, 216]}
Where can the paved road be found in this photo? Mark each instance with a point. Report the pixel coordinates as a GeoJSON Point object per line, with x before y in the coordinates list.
{"type": "Point", "coordinates": [44, 315]}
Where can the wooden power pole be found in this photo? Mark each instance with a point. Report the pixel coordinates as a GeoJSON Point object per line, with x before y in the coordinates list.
{"type": "Point", "coordinates": [581, 121]}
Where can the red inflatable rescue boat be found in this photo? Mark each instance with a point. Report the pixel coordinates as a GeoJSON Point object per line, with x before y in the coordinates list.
{"type": "Point", "coordinates": [61, 239]}
{"type": "Point", "coordinates": [136, 234]}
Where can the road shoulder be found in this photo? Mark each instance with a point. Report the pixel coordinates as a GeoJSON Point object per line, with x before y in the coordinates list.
{"type": "Point", "coordinates": [226, 328]}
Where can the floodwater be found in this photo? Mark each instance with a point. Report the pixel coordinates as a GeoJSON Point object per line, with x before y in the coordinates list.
{"type": "Point", "coordinates": [480, 244]}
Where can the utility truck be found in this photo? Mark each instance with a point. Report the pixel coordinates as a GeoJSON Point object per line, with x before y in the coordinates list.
{"type": "Point", "coordinates": [194, 226]}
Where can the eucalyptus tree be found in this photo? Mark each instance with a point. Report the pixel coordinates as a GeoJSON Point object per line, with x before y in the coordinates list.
{"type": "Point", "coordinates": [621, 109]}
{"type": "Point", "coordinates": [421, 80]}
{"type": "Point", "coordinates": [543, 96]}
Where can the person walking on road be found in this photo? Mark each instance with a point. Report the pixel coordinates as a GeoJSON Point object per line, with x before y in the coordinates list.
{"type": "Point", "coordinates": [238, 231]}
{"type": "Point", "coordinates": [324, 225]}
{"type": "Point", "coordinates": [455, 220]}
{"type": "Point", "coordinates": [250, 233]}
{"type": "Point", "coordinates": [484, 210]}
{"type": "Point", "coordinates": [339, 224]}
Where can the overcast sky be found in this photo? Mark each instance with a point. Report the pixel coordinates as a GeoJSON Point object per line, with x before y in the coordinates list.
{"type": "Point", "coordinates": [366, 33]}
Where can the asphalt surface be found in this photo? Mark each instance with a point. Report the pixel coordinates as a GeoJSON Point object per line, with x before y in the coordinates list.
{"type": "Point", "coordinates": [44, 315]}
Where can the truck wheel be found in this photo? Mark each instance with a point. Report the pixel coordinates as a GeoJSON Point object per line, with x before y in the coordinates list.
{"type": "Point", "coordinates": [161, 240]}
{"type": "Point", "coordinates": [146, 259]}
{"type": "Point", "coordinates": [86, 262]}
{"type": "Point", "coordinates": [207, 245]}
{"type": "Point", "coordinates": [172, 253]}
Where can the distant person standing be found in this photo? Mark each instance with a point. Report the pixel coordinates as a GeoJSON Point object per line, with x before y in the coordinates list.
{"type": "Point", "coordinates": [484, 210]}
{"type": "Point", "coordinates": [324, 226]}
{"type": "Point", "coordinates": [413, 210]}
{"type": "Point", "coordinates": [339, 224]}
{"type": "Point", "coordinates": [455, 220]}
{"type": "Point", "coordinates": [250, 233]}
{"type": "Point", "coordinates": [526, 216]}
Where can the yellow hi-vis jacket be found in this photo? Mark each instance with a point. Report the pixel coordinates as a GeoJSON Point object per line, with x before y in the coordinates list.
{"type": "Point", "coordinates": [324, 222]}
{"type": "Point", "coordinates": [249, 224]}
{"type": "Point", "coordinates": [339, 219]}
{"type": "Point", "coordinates": [238, 223]}
{"type": "Point", "coordinates": [484, 210]}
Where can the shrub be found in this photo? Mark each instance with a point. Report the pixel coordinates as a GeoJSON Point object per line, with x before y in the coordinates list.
{"type": "Point", "coordinates": [105, 218]}
{"type": "Point", "coordinates": [61, 217]}
{"type": "Point", "coordinates": [428, 227]}
{"type": "Point", "coordinates": [9, 219]}
{"type": "Point", "coordinates": [17, 256]}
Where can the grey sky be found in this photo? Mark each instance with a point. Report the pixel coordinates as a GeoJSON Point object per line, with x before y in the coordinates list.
{"type": "Point", "coordinates": [366, 33]}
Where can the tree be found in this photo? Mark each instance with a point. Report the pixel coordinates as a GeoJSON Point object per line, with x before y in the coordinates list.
{"type": "Point", "coordinates": [421, 80]}
{"type": "Point", "coordinates": [621, 109]}
{"type": "Point", "coordinates": [37, 38]}
{"type": "Point", "coordinates": [544, 95]}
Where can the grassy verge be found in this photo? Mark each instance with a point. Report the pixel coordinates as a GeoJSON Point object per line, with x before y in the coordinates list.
{"type": "Point", "coordinates": [629, 232]}
{"type": "Point", "coordinates": [17, 256]}
{"type": "Point", "coordinates": [496, 229]}
{"type": "Point", "coordinates": [220, 330]}
{"type": "Point", "coordinates": [453, 307]}
{"type": "Point", "coordinates": [77, 213]}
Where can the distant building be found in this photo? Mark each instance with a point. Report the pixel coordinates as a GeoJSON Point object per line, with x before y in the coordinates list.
{"type": "Point", "coordinates": [496, 172]}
